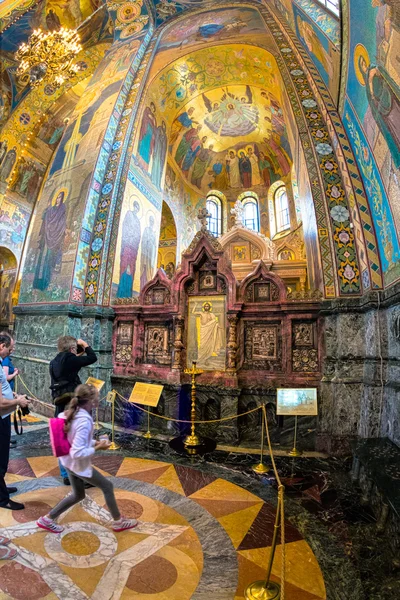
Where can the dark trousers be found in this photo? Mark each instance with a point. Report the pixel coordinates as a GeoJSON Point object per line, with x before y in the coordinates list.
{"type": "Point", "coordinates": [5, 436]}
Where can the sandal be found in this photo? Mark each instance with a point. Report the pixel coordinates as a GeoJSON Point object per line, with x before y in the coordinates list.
{"type": "Point", "coordinates": [4, 541]}
{"type": "Point", "coordinates": [7, 553]}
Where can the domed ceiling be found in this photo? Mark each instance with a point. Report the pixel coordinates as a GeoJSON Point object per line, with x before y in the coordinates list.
{"type": "Point", "coordinates": [220, 106]}
{"type": "Point", "coordinates": [236, 126]}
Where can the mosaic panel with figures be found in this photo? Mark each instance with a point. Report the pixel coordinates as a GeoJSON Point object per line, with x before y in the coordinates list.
{"type": "Point", "coordinates": [263, 346]}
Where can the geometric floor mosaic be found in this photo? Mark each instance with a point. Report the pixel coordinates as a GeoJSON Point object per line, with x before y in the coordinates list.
{"type": "Point", "coordinates": [198, 537]}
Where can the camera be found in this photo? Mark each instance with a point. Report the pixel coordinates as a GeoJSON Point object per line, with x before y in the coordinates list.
{"type": "Point", "coordinates": [25, 409]}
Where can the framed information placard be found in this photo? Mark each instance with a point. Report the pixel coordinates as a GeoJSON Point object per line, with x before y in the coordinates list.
{"type": "Point", "coordinates": [296, 401]}
{"type": "Point", "coordinates": [146, 393]}
{"type": "Point", "coordinates": [97, 383]}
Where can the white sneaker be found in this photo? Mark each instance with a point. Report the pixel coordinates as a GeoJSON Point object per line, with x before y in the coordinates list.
{"type": "Point", "coordinates": [123, 524]}
{"type": "Point", "coordinates": [49, 525]}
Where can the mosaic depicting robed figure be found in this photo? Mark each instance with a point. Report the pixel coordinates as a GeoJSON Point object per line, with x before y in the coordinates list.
{"type": "Point", "coordinates": [51, 241]}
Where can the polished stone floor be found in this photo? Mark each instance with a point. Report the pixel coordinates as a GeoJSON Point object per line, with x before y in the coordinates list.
{"type": "Point", "coordinates": [205, 531]}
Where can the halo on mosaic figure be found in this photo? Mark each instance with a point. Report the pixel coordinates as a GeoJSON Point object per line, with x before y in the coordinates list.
{"type": "Point", "coordinates": [360, 53]}
{"type": "Point", "coordinates": [64, 191]}
{"type": "Point", "coordinates": [134, 202]}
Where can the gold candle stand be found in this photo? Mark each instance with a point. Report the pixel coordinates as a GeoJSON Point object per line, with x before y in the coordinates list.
{"type": "Point", "coordinates": [193, 439]}
{"type": "Point", "coordinates": [260, 467]}
{"type": "Point", "coordinates": [111, 398]}
{"type": "Point", "coordinates": [97, 425]}
{"type": "Point", "coordinates": [294, 451]}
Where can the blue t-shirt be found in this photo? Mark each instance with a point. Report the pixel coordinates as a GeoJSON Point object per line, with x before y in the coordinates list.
{"type": "Point", "coordinates": [7, 362]}
{"type": "Point", "coordinates": [5, 390]}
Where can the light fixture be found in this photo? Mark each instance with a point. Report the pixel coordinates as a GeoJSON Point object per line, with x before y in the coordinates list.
{"type": "Point", "coordinates": [48, 56]}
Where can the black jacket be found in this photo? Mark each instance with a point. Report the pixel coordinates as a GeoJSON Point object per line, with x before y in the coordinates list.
{"type": "Point", "coordinates": [64, 369]}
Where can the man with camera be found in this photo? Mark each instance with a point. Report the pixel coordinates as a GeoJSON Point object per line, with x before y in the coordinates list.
{"type": "Point", "coordinates": [72, 355]}
{"type": "Point", "coordinates": [8, 403]}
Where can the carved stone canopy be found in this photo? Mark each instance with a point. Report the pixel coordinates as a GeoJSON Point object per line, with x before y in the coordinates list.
{"type": "Point", "coordinates": [260, 246]}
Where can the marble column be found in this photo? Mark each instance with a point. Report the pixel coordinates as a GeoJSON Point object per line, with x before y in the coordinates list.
{"type": "Point", "coordinates": [178, 344]}
{"type": "Point", "coordinates": [232, 344]}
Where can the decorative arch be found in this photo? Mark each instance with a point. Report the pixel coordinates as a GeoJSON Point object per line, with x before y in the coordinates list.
{"type": "Point", "coordinates": [262, 286]}
{"type": "Point", "coordinates": [309, 98]}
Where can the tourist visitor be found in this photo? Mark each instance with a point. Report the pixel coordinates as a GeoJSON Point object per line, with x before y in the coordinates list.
{"type": "Point", "coordinates": [79, 427]}
{"type": "Point", "coordinates": [8, 402]}
{"type": "Point", "coordinates": [11, 373]}
{"type": "Point", "coordinates": [64, 369]}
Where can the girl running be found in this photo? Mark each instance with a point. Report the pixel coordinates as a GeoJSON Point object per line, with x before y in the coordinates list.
{"type": "Point", "coordinates": [79, 428]}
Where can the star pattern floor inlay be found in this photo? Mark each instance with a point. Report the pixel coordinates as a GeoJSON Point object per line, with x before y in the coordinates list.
{"type": "Point", "coordinates": [198, 537]}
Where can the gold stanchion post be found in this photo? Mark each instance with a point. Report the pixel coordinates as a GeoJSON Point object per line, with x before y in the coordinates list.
{"type": "Point", "coordinates": [147, 435]}
{"type": "Point", "coordinates": [266, 589]}
{"type": "Point", "coordinates": [97, 425]}
{"type": "Point", "coordinates": [111, 398]}
{"type": "Point", "coordinates": [260, 467]}
{"type": "Point", "coordinates": [294, 451]}
{"type": "Point", "coordinates": [193, 439]}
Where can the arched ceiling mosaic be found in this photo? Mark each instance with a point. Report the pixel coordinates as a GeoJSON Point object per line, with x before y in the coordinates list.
{"type": "Point", "coordinates": [228, 100]}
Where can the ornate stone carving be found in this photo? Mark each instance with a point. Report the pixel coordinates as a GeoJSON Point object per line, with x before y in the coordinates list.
{"type": "Point", "coordinates": [123, 353]}
{"type": "Point", "coordinates": [305, 295]}
{"type": "Point", "coordinates": [264, 343]}
{"type": "Point", "coordinates": [237, 212]}
{"type": "Point", "coordinates": [262, 291]}
{"type": "Point", "coordinates": [232, 345]}
{"type": "Point", "coordinates": [213, 241]}
{"type": "Point", "coordinates": [178, 345]}
{"type": "Point", "coordinates": [221, 285]}
{"type": "Point", "coordinates": [305, 360]}
{"type": "Point", "coordinates": [303, 334]}
{"type": "Point", "coordinates": [123, 350]}
{"type": "Point", "coordinates": [202, 216]}
{"type": "Point", "coordinates": [157, 295]}
{"type": "Point", "coordinates": [127, 301]}
{"type": "Point", "coordinates": [255, 252]}
{"type": "Point", "coordinates": [263, 347]}
{"type": "Point", "coordinates": [157, 344]}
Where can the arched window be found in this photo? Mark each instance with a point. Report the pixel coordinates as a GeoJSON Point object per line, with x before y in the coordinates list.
{"type": "Point", "coordinates": [332, 5]}
{"type": "Point", "coordinates": [250, 214]}
{"type": "Point", "coordinates": [214, 221]}
{"type": "Point", "coordinates": [281, 209]}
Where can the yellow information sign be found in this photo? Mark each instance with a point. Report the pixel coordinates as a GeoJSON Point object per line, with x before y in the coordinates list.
{"type": "Point", "coordinates": [146, 393]}
{"type": "Point", "coordinates": [97, 383]}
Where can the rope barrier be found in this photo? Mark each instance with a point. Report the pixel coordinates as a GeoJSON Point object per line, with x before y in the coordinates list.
{"type": "Point", "coordinates": [32, 395]}
{"type": "Point", "coordinates": [182, 420]}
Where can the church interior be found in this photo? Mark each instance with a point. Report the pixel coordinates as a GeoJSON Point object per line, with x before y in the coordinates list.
{"type": "Point", "coordinates": [208, 194]}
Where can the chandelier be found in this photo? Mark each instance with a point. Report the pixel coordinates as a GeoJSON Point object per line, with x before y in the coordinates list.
{"type": "Point", "coordinates": [48, 56]}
